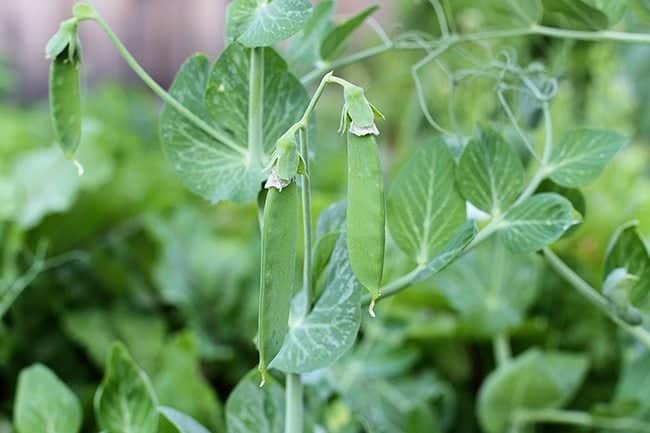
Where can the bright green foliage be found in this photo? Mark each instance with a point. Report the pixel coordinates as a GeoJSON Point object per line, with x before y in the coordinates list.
{"type": "Point", "coordinates": [628, 251]}
{"type": "Point", "coordinates": [633, 383]}
{"type": "Point", "coordinates": [366, 213]}
{"type": "Point", "coordinates": [182, 422]}
{"type": "Point", "coordinates": [304, 47]}
{"type": "Point", "coordinates": [252, 408]}
{"type": "Point", "coordinates": [534, 380]}
{"type": "Point", "coordinates": [125, 401]}
{"type": "Point", "coordinates": [614, 10]}
{"type": "Point", "coordinates": [330, 328]}
{"type": "Point", "coordinates": [424, 207]}
{"type": "Point", "coordinates": [581, 156]}
{"type": "Point", "coordinates": [536, 222]}
{"type": "Point", "coordinates": [44, 404]}
{"type": "Point", "coordinates": [490, 174]}
{"type": "Point", "coordinates": [262, 23]}
{"type": "Point", "coordinates": [574, 14]}
{"type": "Point", "coordinates": [514, 13]}
{"type": "Point", "coordinates": [334, 41]}
{"type": "Point", "coordinates": [491, 288]}
{"type": "Point", "coordinates": [279, 250]}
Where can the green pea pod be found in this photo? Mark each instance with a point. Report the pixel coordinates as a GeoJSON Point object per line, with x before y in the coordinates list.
{"type": "Point", "coordinates": [366, 212]}
{"type": "Point", "coordinates": [278, 270]}
{"type": "Point", "coordinates": [65, 100]}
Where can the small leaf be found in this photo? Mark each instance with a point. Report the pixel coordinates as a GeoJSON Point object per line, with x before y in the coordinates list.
{"type": "Point", "coordinates": [490, 174]}
{"type": "Point", "coordinates": [44, 404]}
{"type": "Point", "coordinates": [304, 46]}
{"type": "Point", "coordinates": [182, 422]}
{"type": "Point", "coordinates": [252, 408]}
{"type": "Point", "coordinates": [536, 222]}
{"type": "Point", "coordinates": [262, 23]}
{"type": "Point", "coordinates": [424, 206]}
{"type": "Point", "coordinates": [330, 329]}
{"type": "Point", "coordinates": [582, 154]}
{"type": "Point", "coordinates": [628, 251]}
{"type": "Point", "coordinates": [573, 14]}
{"type": "Point", "coordinates": [534, 380]}
{"type": "Point", "coordinates": [125, 401]}
{"type": "Point", "coordinates": [334, 41]}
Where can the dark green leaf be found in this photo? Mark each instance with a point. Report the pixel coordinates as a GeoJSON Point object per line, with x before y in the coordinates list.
{"type": "Point", "coordinates": [334, 41]}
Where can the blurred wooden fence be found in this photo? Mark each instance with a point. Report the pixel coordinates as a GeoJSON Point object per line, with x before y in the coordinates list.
{"type": "Point", "coordinates": [159, 33]}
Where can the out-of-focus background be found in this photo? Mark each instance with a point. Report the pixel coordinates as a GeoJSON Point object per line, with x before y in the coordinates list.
{"type": "Point", "coordinates": [126, 252]}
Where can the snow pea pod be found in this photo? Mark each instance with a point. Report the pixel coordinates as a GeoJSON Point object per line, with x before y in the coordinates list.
{"type": "Point", "coordinates": [65, 100]}
{"type": "Point", "coordinates": [278, 270]}
{"type": "Point", "coordinates": [366, 212]}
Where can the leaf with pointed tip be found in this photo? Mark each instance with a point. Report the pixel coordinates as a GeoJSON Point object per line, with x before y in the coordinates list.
{"type": "Point", "coordinates": [582, 154]}
{"type": "Point", "coordinates": [335, 39]}
{"type": "Point", "coordinates": [183, 423]}
{"type": "Point", "coordinates": [424, 207]}
{"type": "Point", "coordinates": [533, 380]}
{"type": "Point", "coordinates": [490, 174]}
{"type": "Point", "coordinates": [44, 404]}
{"type": "Point", "coordinates": [125, 401]}
{"type": "Point", "coordinates": [627, 250]}
{"type": "Point", "coordinates": [452, 249]}
{"type": "Point", "coordinates": [329, 330]}
{"type": "Point", "coordinates": [304, 46]}
{"type": "Point", "coordinates": [536, 222]}
{"type": "Point", "coordinates": [261, 24]}
{"type": "Point", "coordinates": [252, 408]}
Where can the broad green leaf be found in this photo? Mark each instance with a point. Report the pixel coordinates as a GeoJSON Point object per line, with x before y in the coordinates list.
{"type": "Point", "coordinates": [581, 156]}
{"type": "Point", "coordinates": [574, 14]}
{"type": "Point", "coordinates": [330, 225]}
{"type": "Point", "coordinates": [44, 404]}
{"type": "Point", "coordinates": [334, 41]}
{"type": "Point", "coordinates": [628, 251]}
{"type": "Point", "coordinates": [490, 174]}
{"type": "Point", "coordinates": [332, 219]}
{"type": "Point", "coordinates": [125, 401]}
{"type": "Point", "coordinates": [452, 249]}
{"type": "Point", "coordinates": [328, 331]}
{"type": "Point", "coordinates": [536, 222]}
{"type": "Point", "coordinates": [180, 383]}
{"type": "Point", "coordinates": [261, 23]}
{"type": "Point", "coordinates": [321, 257]}
{"type": "Point", "coordinates": [424, 207]}
{"type": "Point", "coordinates": [252, 408]}
{"type": "Point", "coordinates": [513, 13]}
{"type": "Point", "coordinates": [634, 381]}
{"type": "Point", "coordinates": [183, 423]}
{"type": "Point", "coordinates": [614, 10]}
{"type": "Point", "coordinates": [219, 96]}
{"type": "Point", "coordinates": [491, 288]}
{"type": "Point", "coordinates": [534, 380]}
{"type": "Point", "coordinates": [304, 47]}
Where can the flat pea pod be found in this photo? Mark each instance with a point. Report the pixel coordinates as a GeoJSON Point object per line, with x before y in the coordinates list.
{"type": "Point", "coordinates": [278, 270]}
{"type": "Point", "coordinates": [65, 101]}
{"type": "Point", "coordinates": [366, 212]}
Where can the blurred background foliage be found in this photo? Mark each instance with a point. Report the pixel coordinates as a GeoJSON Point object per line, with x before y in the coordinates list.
{"type": "Point", "coordinates": [125, 252]}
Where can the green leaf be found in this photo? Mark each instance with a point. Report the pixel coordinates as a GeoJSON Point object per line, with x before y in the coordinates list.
{"type": "Point", "coordinates": [125, 401]}
{"type": "Point", "coordinates": [628, 251]}
{"type": "Point", "coordinates": [513, 13]}
{"type": "Point", "coordinates": [332, 219]}
{"type": "Point", "coordinates": [261, 23]}
{"type": "Point", "coordinates": [329, 330]}
{"type": "Point", "coordinates": [304, 47]}
{"type": "Point", "coordinates": [334, 40]}
{"type": "Point", "coordinates": [614, 10]}
{"type": "Point", "coordinates": [44, 404]}
{"type": "Point", "coordinates": [330, 225]}
{"type": "Point", "coordinates": [183, 423]}
{"type": "Point", "coordinates": [491, 288]}
{"type": "Point", "coordinates": [219, 96]}
{"type": "Point", "coordinates": [536, 222]}
{"type": "Point", "coordinates": [634, 381]}
{"type": "Point", "coordinates": [424, 207]}
{"type": "Point", "coordinates": [252, 408]}
{"type": "Point", "coordinates": [574, 15]}
{"type": "Point", "coordinates": [490, 174]}
{"type": "Point", "coordinates": [534, 380]}
{"type": "Point", "coordinates": [582, 154]}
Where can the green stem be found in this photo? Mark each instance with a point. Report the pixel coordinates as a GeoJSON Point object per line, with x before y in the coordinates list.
{"type": "Point", "coordinates": [502, 351]}
{"type": "Point", "coordinates": [217, 134]}
{"type": "Point", "coordinates": [593, 296]}
{"type": "Point", "coordinates": [306, 218]}
{"type": "Point", "coordinates": [256, 108]}
{"type": "Point", "coordinates": [556, 416]}
{"type": "Point", "coordinates": [603, 35]}
{"type": "Point", "coordinates": [294, 408]}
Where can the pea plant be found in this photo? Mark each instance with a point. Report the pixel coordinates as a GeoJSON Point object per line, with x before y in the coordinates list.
{"type": "Point", "coordinates": [467, 210]}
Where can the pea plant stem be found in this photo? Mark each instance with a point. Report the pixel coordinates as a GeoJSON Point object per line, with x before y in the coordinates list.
{"type": "Point", "coordinates": [557, 416]}
{"type": "Point", "coordinates": [294, 405]}
{"type": "Point", "coordinates": [214, 132]}
{"type": "Point", "coordinates": [502, 351]}
{"type": "Point", "coordinates": [256, 107]}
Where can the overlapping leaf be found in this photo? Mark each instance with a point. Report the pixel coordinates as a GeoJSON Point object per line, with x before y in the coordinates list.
{"type": "Point", "coordinates": [334, 40]}
{"type": "Point", "coordinates": [252, 408]}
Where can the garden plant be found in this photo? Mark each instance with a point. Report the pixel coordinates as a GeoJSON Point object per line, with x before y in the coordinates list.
{"type": "Point", "coordinates": [477, 209]}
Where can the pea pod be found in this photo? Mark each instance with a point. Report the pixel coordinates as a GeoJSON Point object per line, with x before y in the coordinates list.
{"type": "Point", "coordinates": [278, 270]}
{"type": "Point", "coordinates": [65, 100]}
{"type": "Point", "coordinates": [366, 212]}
